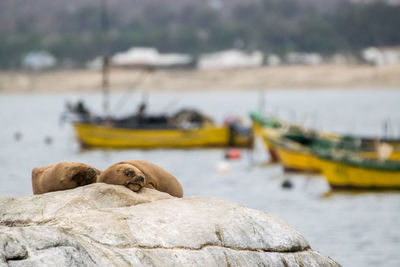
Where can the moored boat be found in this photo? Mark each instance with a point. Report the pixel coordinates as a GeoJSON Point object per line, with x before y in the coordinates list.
{"type": "Point", "coordinates": [266, 128]}
{"type": "Point", "coordinates": [103, 136]}
{"type": "Point", "coordinates": [360, 173]}
{"type": "Point", "coordinates": [294, 156]}
{"type": "Point", "coordinates": [297, 148]}
{"type": "Point", "coordinates": [186, 128]}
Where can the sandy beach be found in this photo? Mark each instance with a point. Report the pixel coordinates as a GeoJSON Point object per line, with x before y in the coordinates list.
{"type": "Point", "coordinates": [290, 77]}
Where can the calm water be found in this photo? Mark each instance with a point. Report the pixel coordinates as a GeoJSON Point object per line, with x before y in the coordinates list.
{"type": "Point", "coordinates": [355, 229]}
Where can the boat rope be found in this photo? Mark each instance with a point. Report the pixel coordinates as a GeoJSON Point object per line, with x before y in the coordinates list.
{"type": "Point", "coordinates": [140, 79]}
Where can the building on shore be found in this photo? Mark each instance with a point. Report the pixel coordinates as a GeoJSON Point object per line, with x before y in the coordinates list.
{"type": "Point", "coordinates": [150, 58]}
{"type": "Point", "coordinates": [230, 59]}
{"type": "Point", "coordinates": [385, 55]}
{"type": "Point", "coordinates": [144, 58]}
{"type": "Point", "coordinates": [273, 60]}
{"type": "Point", "coordinates": [301, 58]}
{"type": "Point", "coordinates": [38, 60]}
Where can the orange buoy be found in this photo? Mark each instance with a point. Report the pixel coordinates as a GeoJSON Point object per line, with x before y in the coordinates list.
{"type": "Point", "coordinates": [233, 153]}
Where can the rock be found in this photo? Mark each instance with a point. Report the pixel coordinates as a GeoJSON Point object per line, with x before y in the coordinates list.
{"type": "Point", "coordinates": [109, 225]}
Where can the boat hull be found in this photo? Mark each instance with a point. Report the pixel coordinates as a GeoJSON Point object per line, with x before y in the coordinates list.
{"type": "Point", "coordinates": [100, 136]}
{"type": "Point", "coordinates": [344, 176]}
{"type": "Point", "coordinates": [264, 133]}
{"type": "Point", "coordinates": [301, 161]}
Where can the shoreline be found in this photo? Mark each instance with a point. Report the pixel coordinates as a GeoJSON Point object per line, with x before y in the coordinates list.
{"type": "Point", "coordinates": [264, 78]}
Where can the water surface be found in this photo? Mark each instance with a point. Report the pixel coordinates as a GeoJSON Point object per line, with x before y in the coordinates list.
{"type": "Point", "coordinates": [355, 229]}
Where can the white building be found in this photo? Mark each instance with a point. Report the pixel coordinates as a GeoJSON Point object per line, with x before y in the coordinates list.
{"type": "Point", "coordinates": [298, 58]}
{"type": "Point", "coordinates": [95, 64]}
{"type": "Point", "coordinates": [382, 55]}
{"type": "Point", "coordinates": [37, 60]}
{"type": "Point", "coordinates": [149, 57]}
{"type": "Point", "coordinates": [230, 59]}
{"type": "Point", "coordinates": [273, 60]}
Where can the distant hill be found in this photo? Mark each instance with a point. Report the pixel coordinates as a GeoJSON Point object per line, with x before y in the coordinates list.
{"type": "Point", "coordinates": [71, 29]}
{"type": "Point", "coordinates": [48, 15]}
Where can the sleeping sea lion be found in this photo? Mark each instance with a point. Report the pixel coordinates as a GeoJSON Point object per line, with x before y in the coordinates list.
{"type": "Point", "coordinates": [62, 176]}
{"type": "Point", "coordinates": [136, 174]}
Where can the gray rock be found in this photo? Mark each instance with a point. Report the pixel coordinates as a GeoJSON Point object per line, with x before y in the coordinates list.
{"type": "Point", "coordinates": [109, 225]}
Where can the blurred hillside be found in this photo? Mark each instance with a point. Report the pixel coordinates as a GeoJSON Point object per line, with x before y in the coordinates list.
{"type": "Point", "coordinates": [71, 30]}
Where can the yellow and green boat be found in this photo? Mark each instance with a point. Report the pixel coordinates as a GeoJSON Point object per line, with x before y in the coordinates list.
{"type": "Point", "coordinates": [294, 156]}
{"type": "Point", "coordinates": [266, 128]}
{"type": "Point", "coordinates": [360, 173]}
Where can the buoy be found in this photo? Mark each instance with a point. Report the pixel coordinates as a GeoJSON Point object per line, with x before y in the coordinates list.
{"type": "Point", "coordinates": [48, 140]}
{"type": "Point", "coordinates": [287, 184]}
{"type": "Point", "coordinates": [233, 153]}
{"type": "Point", "coordinates": [17, 136]}
{"type": "Point", "coordinates": [223, 166]}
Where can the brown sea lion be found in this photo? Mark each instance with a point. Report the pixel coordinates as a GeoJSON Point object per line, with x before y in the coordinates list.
{"type": "Point", "coordinates": [136, 174]}
{"type": "Point", "coordinates": [62, 176]}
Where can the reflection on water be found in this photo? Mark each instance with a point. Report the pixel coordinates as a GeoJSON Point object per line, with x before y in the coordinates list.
{"type": "Point", "coordinates": [356, 229]}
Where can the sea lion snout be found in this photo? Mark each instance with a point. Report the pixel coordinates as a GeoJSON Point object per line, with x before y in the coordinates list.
{"type": "Point", "coordinates": [140, 179]}
{"type": "Point", "coordinates": [91, 173]}
{"type": "Point", "coordinates": [136, 183]}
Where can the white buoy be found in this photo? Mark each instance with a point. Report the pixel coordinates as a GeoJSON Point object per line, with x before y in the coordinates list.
{"type": "Point", "coordinates": [223, 166]}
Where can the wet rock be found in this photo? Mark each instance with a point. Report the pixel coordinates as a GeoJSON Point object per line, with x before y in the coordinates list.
{"type": "Point", "coordinates": [109, 225]}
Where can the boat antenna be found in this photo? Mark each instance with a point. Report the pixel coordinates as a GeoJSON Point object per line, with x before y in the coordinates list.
{"type": "Point", "coordinates": [106, 61]}
{"type": "Point", "coordinates": [261, 103]}
{"type": "Point", "coordinates": [387, 128]}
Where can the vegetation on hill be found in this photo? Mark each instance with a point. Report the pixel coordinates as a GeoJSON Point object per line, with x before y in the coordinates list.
{"type": "Point", "coordinates": [75, 35]}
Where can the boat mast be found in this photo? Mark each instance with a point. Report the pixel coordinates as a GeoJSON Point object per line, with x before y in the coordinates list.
{"type": "Point", "coordinates": [261, 102]}
{"type": "Point", "coordinates": [106, 62]}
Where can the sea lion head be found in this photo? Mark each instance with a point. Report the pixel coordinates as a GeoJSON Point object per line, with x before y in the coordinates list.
{"type": "Point", "coordinates": [137, 179]}
{"type": "Point", "coordinates": [124, 174]}
{"type": "Point", "coordinates": [83, 175]}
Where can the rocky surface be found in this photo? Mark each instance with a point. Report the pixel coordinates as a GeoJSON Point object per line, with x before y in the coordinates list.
{"type": "Point", "coordinates": [109, 225]}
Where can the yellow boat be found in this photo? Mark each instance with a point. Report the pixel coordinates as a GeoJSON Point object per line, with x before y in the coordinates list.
{"type": "Point", "coordinates": [266, 128]}
{"type": "Point", "coordinates": [101, 136]}
{"type": "Point", "coordinates": [361, 174]}
{"type": "Point", "coordinates": [294, 156]}
{"type": "Point", "coordinates": [264, 133]}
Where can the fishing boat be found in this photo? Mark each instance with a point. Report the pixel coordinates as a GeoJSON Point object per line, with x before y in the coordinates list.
{"type": "Point", "coordinates": [354, 172]}
{"type": "Point", "coordinates": [186, 128]}
{"type": "Point", "coordinates": [298, 150]}
{"type": "Point", "coordinates": [104, 136]}
{"type": "Point", "coordinates": [275, 133]}
{"type": "Point", "coordinates": [288, 143]}
{"type": "Point", "coordinates": [295, 154]}
{"type": "Point", "coordinates": [295, 146]}
{"type": "Point", "coordinates": [265, 128]}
